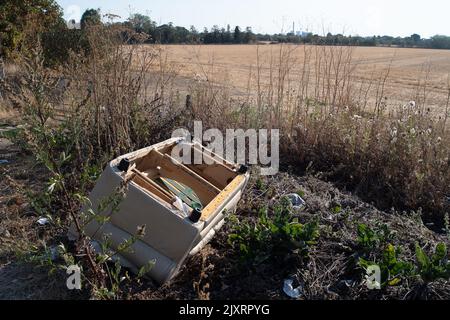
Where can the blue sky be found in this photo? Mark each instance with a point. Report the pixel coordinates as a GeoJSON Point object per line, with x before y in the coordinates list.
{"type": "Point", "coordinates": [363, 17]}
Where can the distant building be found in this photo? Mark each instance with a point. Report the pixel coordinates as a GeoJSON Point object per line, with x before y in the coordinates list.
{"type": "Point", "coordinates": [72, 24]}
{"type": "Point", "coordinates": [303, 34]}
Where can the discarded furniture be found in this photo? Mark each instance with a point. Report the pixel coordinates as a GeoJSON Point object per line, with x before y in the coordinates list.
{"type": "Point", "coordinates": [181, 205]}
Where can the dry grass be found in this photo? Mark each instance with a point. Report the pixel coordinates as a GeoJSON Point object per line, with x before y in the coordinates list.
{"type": "Point", "coordinates": [408, 68]}
{"type": "Point", "coordinates": [357, 128]}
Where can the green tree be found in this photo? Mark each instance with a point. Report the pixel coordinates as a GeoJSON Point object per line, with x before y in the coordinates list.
{"type": "Point", "coordinates": [416, 38]}
{"type": "Point", "coordinates": [249, 36]}
{"type": "Point", "coordinates": [181, 35]}
{"type": "Point", "coordinates": [90, 17]}
{"type": "Point", "coordinates": [166, 33]}
{"type": "Point", "coordinates": [21, 21]}
{"type": "Point", "coordinates": [142, 23]}
{"type": "Point", "coordinates": [227, 36]}
{"type": "Point", "coordinates": [237, 37]}
{"type": "Point", "coordinates": [215, 31]}
{"type": "Point", "coordinates": [440, 42]}
{"type": "Point", "coordinates": [193, 35]}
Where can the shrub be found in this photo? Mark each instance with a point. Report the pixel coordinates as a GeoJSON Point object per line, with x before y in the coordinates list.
{"type": "Point", "coordinates": [58, 43]}
{"type": "Point", "coordinates": [22, 21]}
{"type": "Point", "coordinates": [90, 18]}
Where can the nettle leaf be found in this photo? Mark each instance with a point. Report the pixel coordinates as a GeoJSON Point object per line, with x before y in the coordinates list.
{"type": "Point", "coordinates": [441, 253]}
{"type": "Point", "coordinates": [336, 209]}
{"type": "Point", "coordinates": [390, 255]}
{"type": "Point", "coordinates": [295, 230]}
{"type": "Point", "coordinates": [363, 263]}
{"type": "Point", "coordinates": [274, 234]}
{"type": "Point", "coordinates": [102, 220]}
{"type": "Point", "coordinates": [422, 259]}
{"type": "Point", "coordinates": [243, 248]}
{"type": "Point", "coordinates": [402, 267]}
{"type": "Point", "coordinates": [394, 282]}
{"type": "Point", "coordinates": [146, 268]}
{"type": "Point", "coordinates": [366, 236]}
{"type": "Point", "coordinates": [273, 228]}
{"type": "Point", "coordinates": [311, 231]}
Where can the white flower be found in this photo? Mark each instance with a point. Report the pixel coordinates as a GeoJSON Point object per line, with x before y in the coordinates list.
{"type": "Point", "coordinates": [394, 133]}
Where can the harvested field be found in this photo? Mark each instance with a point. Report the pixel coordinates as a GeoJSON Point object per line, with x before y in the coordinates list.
{"type": "Point", "coordinates": [409, 71]}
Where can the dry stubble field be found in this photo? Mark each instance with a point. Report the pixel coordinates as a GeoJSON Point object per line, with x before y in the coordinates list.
{"type": "Point", "coordinates": [410, 72]}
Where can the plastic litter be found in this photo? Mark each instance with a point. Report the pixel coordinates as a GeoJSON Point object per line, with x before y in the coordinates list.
{"type": "Point", "coordinates": [296, 200]}
{"type": "Point", "coordinates": [348, 283]}
{"type": "Point", "coordinates": [4, 161]}
{"type": "Point", "coordinates": [290, 291]}
{"type": "Point", "coordinates": [180, 205]}
{"type": "Point", "coordinates": [54, 253]}
{"type": "Point", "coordinates": [43, 221]}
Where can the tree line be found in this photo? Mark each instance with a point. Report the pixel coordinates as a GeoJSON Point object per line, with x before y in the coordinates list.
{"type": "Point", "coordinates": [23, 21]}
{"type": "Point", "coordinates": [171, 34]}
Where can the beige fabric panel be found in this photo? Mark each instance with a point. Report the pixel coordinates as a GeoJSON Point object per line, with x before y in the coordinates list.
{"type": "Point", "coordinates": [166, 231]}
{"type": "Point", "coordinates": [141, 254]}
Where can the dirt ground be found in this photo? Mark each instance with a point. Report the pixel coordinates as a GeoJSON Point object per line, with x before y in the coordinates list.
{"type": "Point", "coordinates": [215, 273]}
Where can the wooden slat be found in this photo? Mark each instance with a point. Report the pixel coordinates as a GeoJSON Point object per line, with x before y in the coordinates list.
{"type": "Point", "coordinates": [223, 161]}
{"type": "Point", "coordinates": [192, 173]}
{"type": "Point", "coordinates": [172, 169]}
{"type": "Point", "coordinates": [155, 188]}
{"type": "Point", "coordinates": [214, 174]}
{"type": "Point", "coordinates": [213, 158]}
{"type": "Point", "coordinates": [150, 190]}
{"type": "Point", "coordinates": [214, 205]}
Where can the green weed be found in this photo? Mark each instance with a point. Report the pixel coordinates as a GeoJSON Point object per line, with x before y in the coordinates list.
{"type": "Point", "coordinates": [273, 233]}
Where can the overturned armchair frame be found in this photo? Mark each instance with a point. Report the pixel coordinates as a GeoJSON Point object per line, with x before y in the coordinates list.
{"type": "Point", "coordinates": [171, 235]}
